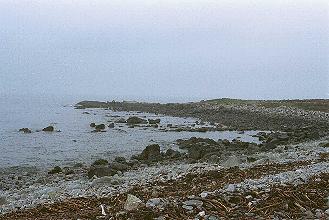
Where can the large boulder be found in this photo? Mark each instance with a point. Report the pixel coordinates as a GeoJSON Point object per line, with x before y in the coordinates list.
{"type": "Point", "coordinates": [49, 129]}
{"type": "Point", "coordinates": [136, 120]}
{"type": "Point", "coordinates": [100, 162]}
{"type": "Point", "coordinates": [151, 153]}
{"type": "Point", "coordinates": [55, 170]}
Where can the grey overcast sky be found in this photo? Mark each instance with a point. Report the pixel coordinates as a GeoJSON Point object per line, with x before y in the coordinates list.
{"type": "Point", "coordinates": [169, 49]}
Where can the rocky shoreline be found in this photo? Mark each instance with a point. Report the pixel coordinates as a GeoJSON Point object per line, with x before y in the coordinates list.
{"type": "Point", "coordinates": [204, 179]}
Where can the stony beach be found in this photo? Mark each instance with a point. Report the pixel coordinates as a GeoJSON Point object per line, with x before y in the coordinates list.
{"type": "Point", "coordinates": [284, 175]}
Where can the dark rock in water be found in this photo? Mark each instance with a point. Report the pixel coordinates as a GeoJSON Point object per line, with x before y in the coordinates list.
{"type": "Point", "coordinates": [120, 160]}
{"type": "Point", "coordinates": [155, 121]}
{"type": "Point", "coordinates": [100, 171]}
{"type": "Point", "coordinates": [136, 120]}
{"type": "Point", "coordinates": [111, 125]}
{"type": "Point", "coordinates": [121, 120]}
{"type": "Point", "coordinates": [268, 146]}
{"type": "Point", "coordinates": [100, 127]}
{"type": "Point", "coordinates": [119, 166]}
{"type": "Point", "coordinates": [92, 125]}
{"type": "Point", "coordinates": [55, 170]}
{"type": "Point", "coordinates": [169, 125]}
{"type": "Point", "coordinates": [172, 153]}
{"type": "Point", "coordinates": [86, 113]}
{"type": "Point", "coordinates": [100, 162]}
{"type": "Point", "coordinates": [151, 153]}
{"type": "Point", "coordinates": [25, 130]}
{"type": "Point", "coordinates": [49, 128]}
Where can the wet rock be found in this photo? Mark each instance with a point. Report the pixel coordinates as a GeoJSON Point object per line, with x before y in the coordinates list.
{"type": "Point", "coordinates": [25, 130]}
{"type": "Point", "coordinates": [49, 129]}
{"type": "Point", "coordinates": [55, 170]}
{"type": "Point", "coordinates": [136, 120]}
{"type": "Point", "coordinates": [92, 125]}
{"type": "Point", "coordinates": [100, 127]}
{"type": "Point", "coordinates": [100, 171]}
{"type": "Point", "coordinates": [132, 203]}
{"type": "Point", "coordinates": [100, 162]}
{"type": "Point", "coordinates": [154, 121]}
{"type": "Point", "coordinates": [111, 125]}
{"type": "Point", "coordinates": [151, 153]}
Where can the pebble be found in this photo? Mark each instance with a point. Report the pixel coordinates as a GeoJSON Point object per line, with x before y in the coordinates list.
{"type": "Point", "coordinates": [204, 194]}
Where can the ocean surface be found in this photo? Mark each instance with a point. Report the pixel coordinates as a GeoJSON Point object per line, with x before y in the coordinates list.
{"type": "Point", "coordinates": [76, 143]}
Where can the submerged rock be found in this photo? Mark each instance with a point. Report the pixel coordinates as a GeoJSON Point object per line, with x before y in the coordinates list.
{"type": "Point", "coordinates": [49, 128]}
{"type": "Point", "coordinates": [92, 125]}
{"type": "Point", "coordinates": [111, 125]}
{"type": "Point", "coordinates": [132, 203]}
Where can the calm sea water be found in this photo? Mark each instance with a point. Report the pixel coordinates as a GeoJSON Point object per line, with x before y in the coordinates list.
{"type": "Point", "coordinates": [76, 142]}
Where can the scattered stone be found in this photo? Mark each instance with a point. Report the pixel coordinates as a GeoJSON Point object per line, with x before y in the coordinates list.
{"type": "Point", "coordinates": [48, 129]}
{"type": "Point", "coordinates": [132, 203]}
{"type": "Point", "coordinates": [204, 194]}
